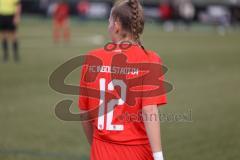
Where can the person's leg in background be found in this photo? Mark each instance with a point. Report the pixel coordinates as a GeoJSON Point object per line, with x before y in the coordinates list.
{"type": "Point", "coordinates": [5, 49]}
{"type": "Point", "coordinates": [15, 46]}
{"type": "Point", "coordinates": [56, 31]}
{"type": "Point", "coordinates": [8, 31]}
{"type": "Point", "coordinates": [3, 37]}
{"type": "Point", "coordinates": [66, 31]}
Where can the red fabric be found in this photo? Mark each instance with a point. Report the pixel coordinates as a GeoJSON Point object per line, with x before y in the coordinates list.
{"type": "Point", "coordinates": [83, 7]}
{"type": "Point", "coordinates": [165, 11]}
{"type": "Point", "coordinates": [101, 150]}
{"type": "Point", "coordinates": [62, 12]}
{"type": "Point", "coordinates": [127, 114]}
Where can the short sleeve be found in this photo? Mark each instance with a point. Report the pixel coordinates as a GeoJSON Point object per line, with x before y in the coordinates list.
{"type": "Point", "coordinates": [83, 94]}
{"type": "Point", "coordinates": [153, 91]}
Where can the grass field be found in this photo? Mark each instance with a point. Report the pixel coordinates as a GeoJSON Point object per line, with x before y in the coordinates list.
{"type": "Point", "coordinates": [203, 67]}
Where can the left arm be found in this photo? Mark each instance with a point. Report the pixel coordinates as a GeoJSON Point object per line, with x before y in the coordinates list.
{"type": "Point", "coordinates": [88, 130]}
{"type": "Point", "coordinates": [152, 125]}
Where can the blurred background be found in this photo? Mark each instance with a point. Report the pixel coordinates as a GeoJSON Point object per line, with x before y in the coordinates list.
{"type": "Point", "coordinates": [199, 42]}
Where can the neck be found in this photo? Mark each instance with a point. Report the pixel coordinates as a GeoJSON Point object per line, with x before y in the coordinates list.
{"type": "Point", "coordinates": [127, 38]}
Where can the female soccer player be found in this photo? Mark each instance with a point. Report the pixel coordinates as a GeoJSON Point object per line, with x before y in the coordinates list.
{"type": "Point", "coordinates": [119, 132]}
{"type": "Point", "coordinates": [61, 21]}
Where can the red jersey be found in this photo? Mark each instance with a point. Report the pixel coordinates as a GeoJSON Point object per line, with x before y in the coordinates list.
{"type": "Point", "coordinates": [165, 11]}
{"type": "Point", "coordinates": [62, 12]}
{"type": "Point", "coordinates": [113, 85]}
{"type": "Point", "coordinates": [83, 7]}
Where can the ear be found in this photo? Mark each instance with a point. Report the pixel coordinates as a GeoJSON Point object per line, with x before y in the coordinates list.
{"type": "Point", "coordinates": [117, 26]}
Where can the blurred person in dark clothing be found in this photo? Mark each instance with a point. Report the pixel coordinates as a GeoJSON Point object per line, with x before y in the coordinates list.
{"type": "Point", "coordinates": [10, 14]}
{"type": "Point", "coordinates": [43, 5]}
{"type": "Point", "coordinates": [236, 17]}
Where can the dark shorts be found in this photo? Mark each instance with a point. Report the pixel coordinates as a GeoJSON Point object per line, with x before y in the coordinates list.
{"type": "Point", "coordinates": [7, 24]}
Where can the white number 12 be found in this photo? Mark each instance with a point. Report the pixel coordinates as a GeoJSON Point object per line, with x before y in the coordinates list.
{"type": "Point", "coordinates": [110, 105]}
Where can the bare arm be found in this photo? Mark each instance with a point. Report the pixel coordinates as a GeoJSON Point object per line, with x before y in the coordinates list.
{"type": "Point", "coordinates": [88, 129]}
{"type": "Point", "coordinates": [152, 125]}
{"type": "Point", "coordinates": [17, 16]}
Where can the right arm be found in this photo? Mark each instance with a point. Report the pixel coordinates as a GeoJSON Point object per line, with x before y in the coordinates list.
{"type": "Point", "coordinates": [83, 106]}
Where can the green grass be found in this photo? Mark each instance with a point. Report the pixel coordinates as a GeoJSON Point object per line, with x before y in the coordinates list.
{"type": "Point", "coordinates": [203, 67]}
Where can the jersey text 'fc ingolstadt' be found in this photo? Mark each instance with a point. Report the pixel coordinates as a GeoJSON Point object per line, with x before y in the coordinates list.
{"type": "Point", "coordinates": [117, 84]}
